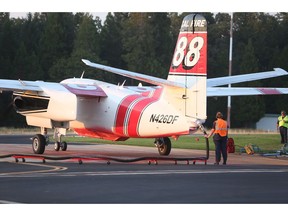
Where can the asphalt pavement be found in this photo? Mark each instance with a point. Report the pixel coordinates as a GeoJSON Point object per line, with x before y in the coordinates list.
{"type": "Point", "coordinates": [246, 179]}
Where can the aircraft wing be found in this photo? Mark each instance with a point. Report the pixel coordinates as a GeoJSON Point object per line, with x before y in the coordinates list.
{"type": "Point", "coordinates": [19, 85]}
{"type": "Point", "coordinates": [134, 75]}
{"type": "Point", "coordinates": [245, 77]}
{"type": "Point", "coordinates": [241, 91]}
{"type": "Point", "coordinates": [80, 89]}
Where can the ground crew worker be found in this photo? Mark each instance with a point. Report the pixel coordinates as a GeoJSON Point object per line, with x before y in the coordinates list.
{"type": "Point", "coordinates": [282, 125]}
{"type": "Point", "coordinates": [220, 131]}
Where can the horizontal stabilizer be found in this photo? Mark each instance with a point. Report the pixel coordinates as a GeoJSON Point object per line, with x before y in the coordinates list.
{"type": "Point", "coordinates": [134, 75]}
{"type": "Point", "coordinates": [245, 77]}
{"type": "Point", "coordinates": [239, 91]}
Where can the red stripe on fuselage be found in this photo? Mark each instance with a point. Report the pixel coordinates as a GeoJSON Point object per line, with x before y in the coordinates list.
{"type": "Point", "coordinates": [121, 113]}
{"type": "Point", "coordinates": [139, 107]}
{"type": "Point", "coordinates": [130, 110]}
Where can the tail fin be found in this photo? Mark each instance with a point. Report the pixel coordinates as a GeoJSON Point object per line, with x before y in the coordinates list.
{"type": "Point", "coordinates": [189, 64]}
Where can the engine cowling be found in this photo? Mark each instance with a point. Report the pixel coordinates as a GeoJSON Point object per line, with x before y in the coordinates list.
{"type": "Point", "coordinates": [27, 103]}
{"type": "Point", "coordinates": [18, 103]}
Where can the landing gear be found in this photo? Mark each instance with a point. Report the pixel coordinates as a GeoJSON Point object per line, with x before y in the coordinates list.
{"type": "Point", "coordinates": [62, 145]}
{"type": "Point", "coordinates": [58, 133]}
{"type": "Point", "coordinates": [163, 145]}
{"type": "Point", "coordinates": [39, 141]}
{"type": "Point", "coordinates": [57, 146]}
{"type": "Point", "coordinates": [38, 144]}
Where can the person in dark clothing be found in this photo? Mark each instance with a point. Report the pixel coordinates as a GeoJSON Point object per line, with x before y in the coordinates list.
{"type": "Point", "coordinates": [282, 125]}
{"type": "Point", "coordinates": [220, 131]}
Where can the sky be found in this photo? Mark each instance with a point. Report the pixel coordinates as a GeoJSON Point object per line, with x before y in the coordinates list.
{"type": "Point", "coordinates": [143, 6]}
{"type": "Point", "coordinates": [20, 8]}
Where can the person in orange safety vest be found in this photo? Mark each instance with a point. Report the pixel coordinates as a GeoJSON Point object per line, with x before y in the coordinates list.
{"type": "Point", "coordinates": [220, 131]}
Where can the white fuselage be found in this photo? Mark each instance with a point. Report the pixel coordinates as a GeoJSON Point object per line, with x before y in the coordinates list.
{"type": "Point", "coordinates": [123, 113]}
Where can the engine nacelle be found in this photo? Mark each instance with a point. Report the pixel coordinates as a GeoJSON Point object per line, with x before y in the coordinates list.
{"type": "Point", "coordinates": [55, 104]}
{"type": "Point", "coordinates": [62, 107]}
{"type": "Point", "coordinates": [24, 103]}
{"type": "Point", "coordinates": [18, 103]}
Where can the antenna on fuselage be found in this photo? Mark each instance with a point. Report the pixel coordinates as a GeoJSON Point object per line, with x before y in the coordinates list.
{"type": "Point", "coordinates": [122, 85]}
{"type": "Point", "coordinates": [82, 75]}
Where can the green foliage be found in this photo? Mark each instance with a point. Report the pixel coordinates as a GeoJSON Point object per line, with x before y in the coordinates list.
{"type": "Point", "coordinates": [266, 142]}
{"type": "Point", "coordinates": [249, 109]}
{"type": "Point", "coordinates": [147, 40]}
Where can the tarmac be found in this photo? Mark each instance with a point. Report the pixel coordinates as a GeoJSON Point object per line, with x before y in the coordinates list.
{"type": "Point", "coordinates": [20, 145]}
{"type": "Point", "coordinates": [136, 175]}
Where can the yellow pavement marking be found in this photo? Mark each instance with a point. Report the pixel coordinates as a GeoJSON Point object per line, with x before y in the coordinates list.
{"type": "Point", "coordinates": [53, 169]}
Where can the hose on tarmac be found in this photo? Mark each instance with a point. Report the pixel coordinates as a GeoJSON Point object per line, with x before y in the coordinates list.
{"type": "Point", "coordinates": [107, 158]}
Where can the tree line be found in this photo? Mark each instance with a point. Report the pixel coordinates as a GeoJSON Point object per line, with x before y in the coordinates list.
{"type": "Point", "coordinates": [50, 46]}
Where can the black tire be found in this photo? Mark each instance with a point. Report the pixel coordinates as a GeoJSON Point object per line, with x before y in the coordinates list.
{"type": "Point", "coordinates": [57, 146]}
{"type": "Point", "coordinates": [63, 146]}
{"type": "Point", "coordinates": [38, 144]}
{"type": "Point", "coordinates": [165, 147]}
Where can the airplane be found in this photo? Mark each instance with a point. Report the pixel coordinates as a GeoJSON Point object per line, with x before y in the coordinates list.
{"type": "Point", "coordinates": [170, 108]}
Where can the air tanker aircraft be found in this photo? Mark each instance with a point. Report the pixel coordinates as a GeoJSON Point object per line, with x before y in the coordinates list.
{"type": "Point", "coordinates": [172, 107]}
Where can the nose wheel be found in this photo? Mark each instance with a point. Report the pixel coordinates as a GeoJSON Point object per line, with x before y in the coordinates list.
{"type": "Point", "coordinates": [60, 145]}
{"type": "Point", "coordinates": [40, 141]}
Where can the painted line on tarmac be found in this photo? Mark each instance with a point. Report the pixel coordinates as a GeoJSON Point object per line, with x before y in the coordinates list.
{"type": "Point", "coordinates": [50, 173]}
{"type": "Point", "coordinates": [169, 172]}
{"type": "Point", "coordinates": [8, 202]}
{"type": "Point", "coordinates": [53, 169]}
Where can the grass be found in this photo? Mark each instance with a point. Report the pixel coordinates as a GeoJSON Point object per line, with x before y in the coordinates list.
{"type": "Point", "coordinates": [267, 142]}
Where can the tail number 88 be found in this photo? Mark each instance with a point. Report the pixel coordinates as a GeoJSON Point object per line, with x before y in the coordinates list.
{"type": "Point", "coordinates": [193, 54]}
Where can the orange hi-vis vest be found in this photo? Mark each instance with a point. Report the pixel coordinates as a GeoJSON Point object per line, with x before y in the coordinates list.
{"type": "Point", "coordinates": [221, 127]}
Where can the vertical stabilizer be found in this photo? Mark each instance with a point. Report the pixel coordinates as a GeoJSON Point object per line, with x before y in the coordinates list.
{"type": "Point", "coordinates": [189, 64]}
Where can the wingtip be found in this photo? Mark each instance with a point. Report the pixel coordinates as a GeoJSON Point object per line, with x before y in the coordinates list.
{"type": "Point", "coordinates": [280, 70]}
{"type": "Point", "coordinates": [85, 61]}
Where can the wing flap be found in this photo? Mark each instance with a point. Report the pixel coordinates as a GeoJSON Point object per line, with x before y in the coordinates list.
{"type": "Point", "coordinates": [239, 91]}
{"type": "Point", "coordinates": [134, 75]}
{"type": "Point", "coordinates": [245, 77]}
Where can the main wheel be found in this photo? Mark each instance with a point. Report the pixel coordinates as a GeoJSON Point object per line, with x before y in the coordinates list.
{"type": "Point", "coordinates": [38, 144]}
{"type": "Point", "coordinates": [164, 146]}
